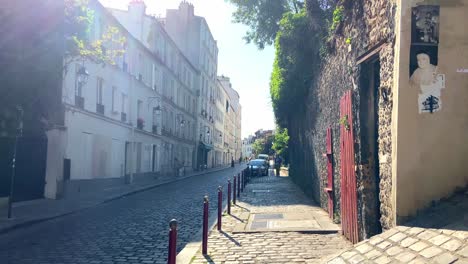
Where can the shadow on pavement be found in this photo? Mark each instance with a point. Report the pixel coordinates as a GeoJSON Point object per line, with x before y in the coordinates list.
{"type": "Point", "coordinates": [230, 238]}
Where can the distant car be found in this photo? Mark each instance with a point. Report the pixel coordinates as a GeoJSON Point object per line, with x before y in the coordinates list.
{"type": "Point", "coordinates": [264, 157]}
{"type": "Point", "coordinates": [259, 167]}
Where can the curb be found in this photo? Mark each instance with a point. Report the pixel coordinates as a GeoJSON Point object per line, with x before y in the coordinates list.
{"type": "Point", "coordinates": [106, 200]}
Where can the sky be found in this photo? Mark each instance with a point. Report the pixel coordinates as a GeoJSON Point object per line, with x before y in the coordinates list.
{"type": "Point", "coordinates": [248, 68]}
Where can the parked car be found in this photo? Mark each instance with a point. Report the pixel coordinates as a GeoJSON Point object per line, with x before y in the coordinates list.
{"type": "Point", "coordinates": [264, 157]}
{"type": "Point", "coordinates": [259, 167]}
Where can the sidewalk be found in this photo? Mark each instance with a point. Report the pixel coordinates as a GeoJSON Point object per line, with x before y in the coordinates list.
{"type": "Point", "coordinates": [274, 222]}
{"type": "Point", "coordinates": [439, 235]}
{"type": "Point", "coordinates": [30, 212]}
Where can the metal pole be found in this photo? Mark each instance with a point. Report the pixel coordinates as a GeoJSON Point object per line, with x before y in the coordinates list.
{"type": "Point", "coordinates": [234, 190]}
{"type": "Point", "coordinates": [238, 185]}
{"type": "Point", "coordinates": [229, 197]}
{"type": "Point", "coordinates": [171, 257]}
{"type": "Point", "coordinates": [205, 226]}
{"type": "Point", "coordinates": [243, 180]}
{"type": "Point", "coordinates": [19, 134]}
{"type": "Point", "coordinates": [220, 207]}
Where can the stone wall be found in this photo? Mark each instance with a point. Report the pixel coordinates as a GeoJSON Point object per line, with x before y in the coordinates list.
{"type": "Point", "coordinates": [366, 25]}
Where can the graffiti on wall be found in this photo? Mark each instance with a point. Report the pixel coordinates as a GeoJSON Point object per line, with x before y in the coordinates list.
{"type": "Point", "coordinates": [424, 74]}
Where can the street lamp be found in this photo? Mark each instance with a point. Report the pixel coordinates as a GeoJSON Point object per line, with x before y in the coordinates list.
{"type": "Point", "coordinates": [82, 75]}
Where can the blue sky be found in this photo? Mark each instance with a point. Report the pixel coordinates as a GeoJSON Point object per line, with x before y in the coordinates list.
{"type": "Point", "coordinates": [248, 67]}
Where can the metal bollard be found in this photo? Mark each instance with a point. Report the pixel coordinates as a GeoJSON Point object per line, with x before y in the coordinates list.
{"type": "Point", "coordinates": [242, 181]}
{"type": "Point", "coordinates": [171, 257]}
{"type": "Point", "coordinates": [238, 185]}
{"type": "Point", "coordinates": [234, 190]}
{"type": "Point", "coordinates": [229, 197]}
{"type": "Point", "coordinates": [220, 207]}
{"type": "Point", "coordinates": [205, 226]}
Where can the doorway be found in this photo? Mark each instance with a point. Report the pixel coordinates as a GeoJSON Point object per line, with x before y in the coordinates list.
{"type": "Point", "coordinates": [369, 108]}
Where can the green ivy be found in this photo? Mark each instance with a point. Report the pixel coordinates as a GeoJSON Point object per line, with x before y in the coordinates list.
{"type": "Point", "coordinates": [297, 58]}
{"type": "Point", "coordinates": [338, 17]}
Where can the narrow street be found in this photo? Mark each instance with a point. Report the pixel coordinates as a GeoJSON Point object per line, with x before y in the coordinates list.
{"type": "Point", "coordinates": [128, 230]}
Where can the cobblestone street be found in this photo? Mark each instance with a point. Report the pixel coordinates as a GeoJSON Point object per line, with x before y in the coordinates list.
{"type": "Point", "coordinates": [240, 242]}
{"type": "Point", "coordinates": [132, 229]}
{"type": "Point", "coordinates": [439, 235]}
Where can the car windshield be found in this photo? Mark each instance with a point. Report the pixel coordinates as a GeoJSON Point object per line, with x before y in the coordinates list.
{"type": "Point", "coordinates": [257, 162]}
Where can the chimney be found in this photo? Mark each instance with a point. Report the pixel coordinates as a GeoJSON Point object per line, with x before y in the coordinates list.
{"type": "Point", "coordinates": [137, 7]}
{"type": "Point", "coordinates": [186, 9]}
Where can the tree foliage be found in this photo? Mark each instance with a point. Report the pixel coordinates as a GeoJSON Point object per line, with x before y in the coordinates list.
{"type": "Point", "coordinates": [263, 17]}
{"type": "Point", "coordinates": [297, 59]}
{"type": "Point", "coordinates": [263, 145]}
{"type": "Point", "coordinates": [280, 141]}
{"type": "Point", "coordinates": [79, 18]}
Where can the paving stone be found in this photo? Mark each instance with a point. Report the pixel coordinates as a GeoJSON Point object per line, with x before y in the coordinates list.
{"type": "Point", "coordinates": [405, 257]}
{"type": "Point", "coordinates": [445, 258]}
{"type": "Point", "coordinates": [388, 233]}
{"type": "Point", "coordinates": [364, 248]}
{"type": "Point", "coordinates": [375, 240]}
{"type": "Point", "coordinates": [373, 254]}
{"type": "Point", "coordinates": [384, 245]}
{"type": "Point", "coordinates": [439, 240]}
{"type": "Point", "coordinates": [426, 235]}
{"type": "Point", "coordinates": [452, 245]}
{"type": "Point", "coordinates": [418, 261]}
{"type": "Point", "coordinates": [418, 246]}
{"type": "Point", "coordinates": [414, 231]}
{"type": "Point", "coordinates": [394, 250]}
{"type": "Point", "coordinates": [461, 235]}
{"type": "Point", "coordinates": [397, 237]}
{"type": "Point", "coordinates": [382, 260]}
{"type": "Point", "coordinates": [463, 252]}
{"type": "Point", "coordinates": [408, 242]}
{"type": "Point", "coordinates": [431, 252]}
{"type": "Point", "coordinates": [337, 260]}
{"type": "Point", "coordinates": [358, 258]}
{"type": "Point", "coordinates": [348, 255]}
{"type": "Point", "coordinates": [402, 228]}
{"type": "Point", "coordinates": [462, 261]}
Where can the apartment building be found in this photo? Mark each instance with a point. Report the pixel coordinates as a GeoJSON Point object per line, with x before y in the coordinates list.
{"type": "Point", "coordinates": [192, 35]}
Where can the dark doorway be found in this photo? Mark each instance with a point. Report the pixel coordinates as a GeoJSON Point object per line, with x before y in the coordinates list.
{"type": "Point", "coordinates": [369, 104]}
{"type": "Point", "coordinates": [154, 159]}
{"type": "Point", "coordinates": [31, 158]}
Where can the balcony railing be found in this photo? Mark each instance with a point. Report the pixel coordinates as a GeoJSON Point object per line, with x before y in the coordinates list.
{"type": "Point", "coordinates": [79, 101]}
{"type": "Point", "coordinates": [100, 109]}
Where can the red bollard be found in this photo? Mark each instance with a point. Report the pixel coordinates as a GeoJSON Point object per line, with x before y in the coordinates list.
{"type": "Point", "coordinates": [205, 226]}
{"type": "Point", "coordinates": [220, 207]}
{"type": "Point", "coordinates": [171, 257]}
{"type": "Point", "coordinates": [234, 190]}
{"type": "Point", "coordinates": [229, 197]}
{"type": "Point", "coordinates": [238, 185]}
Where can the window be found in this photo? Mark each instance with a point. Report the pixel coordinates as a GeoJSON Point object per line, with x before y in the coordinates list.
{"type": "Point", "coordinates": [100, 83]}
{"type": "Point", "coordinates": [124, 103]}
{"type": "Point", "coordinates": [139, 108]}
{"type": "Point", "coordinates": [78, 86]}
{"type": "Point", "coordinates": [114, 99]}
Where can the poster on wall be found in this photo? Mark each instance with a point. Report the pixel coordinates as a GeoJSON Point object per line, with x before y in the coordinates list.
{"type": "Point", "coordinates": [424, 74]}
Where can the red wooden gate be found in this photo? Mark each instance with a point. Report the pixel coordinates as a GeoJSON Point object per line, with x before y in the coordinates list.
{"type": "Point", "coordinates": [349, 224]}
{"type": "Point", "coordinates": [329, 188]}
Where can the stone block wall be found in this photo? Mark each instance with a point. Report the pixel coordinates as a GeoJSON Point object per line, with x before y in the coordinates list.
{"type": "Point", "coordinates": [367, 24]}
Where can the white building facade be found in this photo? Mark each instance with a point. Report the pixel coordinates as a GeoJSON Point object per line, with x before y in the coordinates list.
{"type": "Point", "coordinates": [193, 36]}
{"type": "Point", "coordinates": [136, 116]}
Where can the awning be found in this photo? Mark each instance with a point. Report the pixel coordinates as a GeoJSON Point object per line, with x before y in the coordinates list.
{"type": "Point", "coordinates": [205, 146]}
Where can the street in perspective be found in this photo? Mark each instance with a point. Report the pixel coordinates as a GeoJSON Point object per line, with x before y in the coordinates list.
{"type": "Point", "coordinates": [233, 131]}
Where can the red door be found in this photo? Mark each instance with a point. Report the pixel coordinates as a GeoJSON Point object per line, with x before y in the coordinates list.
{"type": "Point", "coordinates": [348, 178]}
{"type": "Point", "coordinates": [329, 188]}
